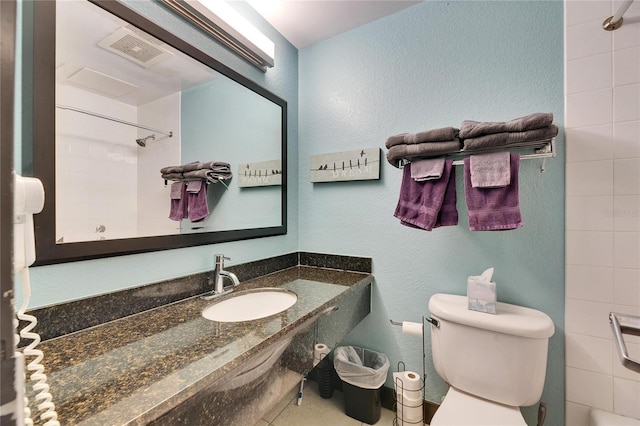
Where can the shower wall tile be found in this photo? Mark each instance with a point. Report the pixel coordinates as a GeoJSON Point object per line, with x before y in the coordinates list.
{"type": "Point", "coordinates": [588, 318]}
{"type": "Point", "coordinates": [626, 250]}
{"type": "Point", "coordinates": [603, 164]}
{"type": "Point", "coordinates": [619, 370]}
{"type": "Point", "coordinates": [589, 248]}
{"type": "Point", "coordinates": [626, 176]}
{"type": "Point", "coordinates": [578, 12]}
{"type": "Point", "coordinates": [589, 353]}
{"type": "Point", "coordinates": [589, 178]}
{"type": "Point", "coordinates": [576, 414]}
{"type": "Point", "coordinates": [591, 283]}
{"type": "Point", "coordinates": [628, 35]}
{"type": "Point", "coordinates": [627, 66]}
{"type": "Point", "coordinates": [587, 39]}
{"type": "Point", "coordinates": [590, 388]}
{"type": "Point", "coordinates": [626, 290]}
{"type": "Point", "coordinates": [589, 108]}
{"type": "Point", "coordinates": [589, 143]}
{"type": "Point", "coordinates": [598, 77]}
{"type": "Point", "coordinates": [589, 213]}
{"type": "Point", "coordinates": [626, 138]}
{"type": "Point", "coordinates": [626, 394]}
{"type": "Point", "coordinates": [626, 103]}
{"type": "Point", "coordinates": [626, 211]}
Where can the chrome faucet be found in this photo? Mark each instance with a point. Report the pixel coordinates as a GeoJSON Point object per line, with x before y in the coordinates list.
{"type": "Point", "coordinates": [219, 274]}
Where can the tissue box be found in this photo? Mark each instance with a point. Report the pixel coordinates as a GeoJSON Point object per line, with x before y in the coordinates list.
{"type": "Point", "coordinates": [481, 296]}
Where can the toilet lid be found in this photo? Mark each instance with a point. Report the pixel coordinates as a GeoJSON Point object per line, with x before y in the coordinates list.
{"type": "Point", "coordinates": [459, 408]}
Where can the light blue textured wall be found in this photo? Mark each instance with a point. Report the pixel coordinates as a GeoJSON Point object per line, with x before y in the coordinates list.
{"type": "Point", "coordinates": [434, 65]}
{"type": "Point", "coordinates": [59, 283]}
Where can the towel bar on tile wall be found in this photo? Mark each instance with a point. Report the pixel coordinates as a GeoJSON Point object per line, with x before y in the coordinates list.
{"type": "Point", "coordinates": [542, 149]}
{"type": "Point", "coordinates": [625, 324]}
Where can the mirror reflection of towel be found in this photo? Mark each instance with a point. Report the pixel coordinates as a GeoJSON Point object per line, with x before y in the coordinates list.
{"type": "Point", "coordinates": [179, 208]}
{"type": "Point", "coordinates": [197, 200]}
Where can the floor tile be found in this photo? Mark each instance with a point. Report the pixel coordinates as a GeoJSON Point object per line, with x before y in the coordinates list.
{"type": "Point", "coordinates": [316, 411]}
{"type": "Point", "coordinates": [286, 401]}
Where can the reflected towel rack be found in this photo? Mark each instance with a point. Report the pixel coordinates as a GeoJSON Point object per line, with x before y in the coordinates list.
{"type": "Point", "coordinates": [542, 149]}
{"type": "Point", "coordinates": [117, 120]}
{"type": "Point", "coordinates": [205, 180]}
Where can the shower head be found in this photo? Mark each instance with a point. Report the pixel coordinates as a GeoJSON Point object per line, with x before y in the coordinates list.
{"type": "Point", "coordinates": [143, 141]}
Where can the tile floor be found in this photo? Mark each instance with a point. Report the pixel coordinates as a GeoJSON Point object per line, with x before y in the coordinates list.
{"type": "Point", "coordinates": [316, 411]}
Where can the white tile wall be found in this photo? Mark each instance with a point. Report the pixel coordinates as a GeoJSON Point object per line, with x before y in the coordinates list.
{"type": "Point", "coordinates": [98, 183]}
{"type": "Point", "coordinates": [153, 195]}
{"type": "Point", "coordinates": [603, 206]}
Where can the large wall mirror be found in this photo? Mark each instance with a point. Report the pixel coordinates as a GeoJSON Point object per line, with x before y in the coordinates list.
{"type": "Point", "coordinates": [116, 99]}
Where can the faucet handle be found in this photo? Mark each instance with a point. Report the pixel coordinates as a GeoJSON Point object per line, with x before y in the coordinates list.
{"type": "Point", "coordinates": [220, 258]}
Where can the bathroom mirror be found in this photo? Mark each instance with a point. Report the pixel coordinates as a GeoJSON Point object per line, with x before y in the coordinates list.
{"type": "Point", "coordinates": [117, 98]}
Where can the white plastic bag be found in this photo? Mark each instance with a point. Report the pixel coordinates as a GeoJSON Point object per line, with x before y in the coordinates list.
{"type": "Point", "coordinates": [361, 367]}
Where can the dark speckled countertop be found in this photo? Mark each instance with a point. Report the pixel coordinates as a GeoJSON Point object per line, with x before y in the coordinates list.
{"type": "Point", "coordinates": [135, 369]}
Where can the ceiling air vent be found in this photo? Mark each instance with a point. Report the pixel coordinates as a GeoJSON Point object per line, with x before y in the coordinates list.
{"type": "Point", "coordinates": [128, 44]}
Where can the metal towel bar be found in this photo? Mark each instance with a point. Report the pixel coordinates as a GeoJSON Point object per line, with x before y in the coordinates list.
{"type": "Point", "coordinates": [625, 324]}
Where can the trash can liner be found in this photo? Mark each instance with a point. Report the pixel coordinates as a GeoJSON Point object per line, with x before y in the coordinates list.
{"type": "Point", "coordinates": [360, 367]}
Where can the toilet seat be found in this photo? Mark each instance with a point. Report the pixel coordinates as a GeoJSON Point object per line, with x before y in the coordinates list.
{"type": "Point", "coordinates": [460, 408]}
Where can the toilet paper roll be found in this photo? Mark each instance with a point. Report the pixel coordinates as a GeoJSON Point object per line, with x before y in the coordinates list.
{"type": "Point", "coordinates": [405, 381]}
{"type": "Point", "coordinates": [412, 328]}
{"type": "Point", "coordinates": [409, 407]}
{"type": "Point", "coordinates": [320, 350]}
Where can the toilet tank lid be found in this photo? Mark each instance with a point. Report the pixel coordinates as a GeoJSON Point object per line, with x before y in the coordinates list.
{"type": "Point", "coordinates": [509, 319]}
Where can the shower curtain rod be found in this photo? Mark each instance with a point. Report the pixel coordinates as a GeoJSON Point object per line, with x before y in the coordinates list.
{"type": "Point", "coordinates": [614, 22]}
{"type": "Point", "coordinates": [117, 120]}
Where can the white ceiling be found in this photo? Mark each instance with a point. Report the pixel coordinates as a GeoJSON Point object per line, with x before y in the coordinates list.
{"type": "Point", "coordinates": [305, 22]}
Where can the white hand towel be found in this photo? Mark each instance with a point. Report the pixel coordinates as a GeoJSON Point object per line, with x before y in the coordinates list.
{"type": "Point", "coordinates": [490, 170]}
{"type": "Point", "coordinates": [428, 169]}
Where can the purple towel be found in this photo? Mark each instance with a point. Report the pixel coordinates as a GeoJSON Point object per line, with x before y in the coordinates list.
{"type": "Point", "coordinates": [493, 209]}
{"type": "Point", "coordinates": [448, 215]}
{"type": "Point", "coordinates": [179, 208]}
{"type": "Point", "coordinates": [420, 203]}
{"type": "Point", "coordinates": [198, 207]}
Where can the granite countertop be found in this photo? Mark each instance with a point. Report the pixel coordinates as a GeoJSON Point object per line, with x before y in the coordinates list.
{"type": "Point", "coordinates": [132, 370]}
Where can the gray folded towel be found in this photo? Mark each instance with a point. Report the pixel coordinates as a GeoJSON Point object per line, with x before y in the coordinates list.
{"type": "Point", "coordinates": [421, 150]}
{"type": "Point", "coordinates": [427, 169]}
{"type": "Point", "coordinates": [443, 134]}
{"type": "Point", "coordinates": [180, 169]}
{"type": "Point", "coordinates": [490, 170]}
{"type": "Point", "coordinates": [510, 138]}
{"type": "Point", "coordinates": [197, 165]}
{"type": "Point", "coordinates": [538, 120]}
{"type": "Point", "coordinates": [215, 165]}
{"type": "Point", "coordinates": [172, 176]}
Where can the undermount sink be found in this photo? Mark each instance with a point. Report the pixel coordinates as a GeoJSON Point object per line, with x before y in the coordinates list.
{"type": "Point", "coordinates": [250, 305]}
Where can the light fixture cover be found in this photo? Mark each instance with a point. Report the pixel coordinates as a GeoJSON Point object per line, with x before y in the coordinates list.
{"type": "Point", "coordinates": [227, 26]}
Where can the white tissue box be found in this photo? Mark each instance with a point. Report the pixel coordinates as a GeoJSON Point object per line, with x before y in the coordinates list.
{"type": "Point", "coordinates": [482, 296]}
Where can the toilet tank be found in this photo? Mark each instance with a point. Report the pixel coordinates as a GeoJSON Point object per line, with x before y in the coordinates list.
{"type": "Point", "coordinates": [501, 357]}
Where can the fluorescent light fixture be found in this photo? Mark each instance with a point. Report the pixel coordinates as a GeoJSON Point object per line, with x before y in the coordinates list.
{"type": "Point", "coordinates": [223, 23]}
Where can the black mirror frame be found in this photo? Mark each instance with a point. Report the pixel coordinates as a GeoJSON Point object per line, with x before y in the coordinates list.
{"type": "Point", "coordinates": [47, 251]}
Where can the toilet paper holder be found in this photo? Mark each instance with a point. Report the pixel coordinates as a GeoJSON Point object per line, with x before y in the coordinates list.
{"type": "Point", "coordinates": [429, 319]}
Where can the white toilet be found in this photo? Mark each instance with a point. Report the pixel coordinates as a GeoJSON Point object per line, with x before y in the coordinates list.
{"type": "Point", "coordinates": [494, 364]}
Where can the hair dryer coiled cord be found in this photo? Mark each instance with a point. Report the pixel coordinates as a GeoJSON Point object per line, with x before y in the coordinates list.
{"type": "Point", "coordinates": [43, 399]}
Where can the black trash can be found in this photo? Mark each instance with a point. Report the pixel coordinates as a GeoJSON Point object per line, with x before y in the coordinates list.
{"type": "Point", "coordinates": [363, 373]}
